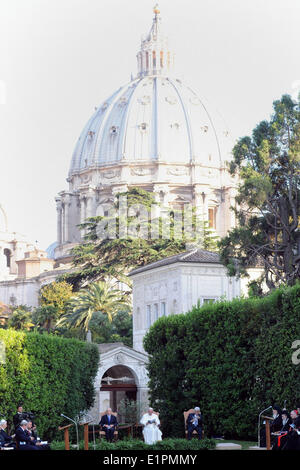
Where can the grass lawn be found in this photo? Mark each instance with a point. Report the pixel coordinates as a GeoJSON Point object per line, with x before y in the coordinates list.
{"type": "Point", "coordinates": [245, 444]}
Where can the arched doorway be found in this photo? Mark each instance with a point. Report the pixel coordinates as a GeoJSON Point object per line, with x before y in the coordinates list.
{"type": "Point", "coordinates": [117, 384]}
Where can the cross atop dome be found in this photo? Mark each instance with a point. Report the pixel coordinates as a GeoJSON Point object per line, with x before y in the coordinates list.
{"type": "Point", "coordinates": [154, 56]}
{"type": "Point", "coordinates": [156, 10]}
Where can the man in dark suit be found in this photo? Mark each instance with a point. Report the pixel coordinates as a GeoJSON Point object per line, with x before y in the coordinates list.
{"type": "Point", "coordinates": [31, 430]}
{"type": "Point", "coordinates": [194, 423]}
{"type": "Point", "coordinates": [24, 440]}
{"type": "Point", "coordinates": [17, 418]}
{"type": "Point", "coordinates": [5, 439]}
{"type": "Point", "coordinates": [108, 424]}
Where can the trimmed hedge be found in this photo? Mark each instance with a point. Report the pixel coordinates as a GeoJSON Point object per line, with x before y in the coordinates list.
{"type": "Point", "coordinates": [49, 374]}
{"type": "Point", "coordinates": [136, 444]}
{"type": "Point", "coordinates": [233, 359]}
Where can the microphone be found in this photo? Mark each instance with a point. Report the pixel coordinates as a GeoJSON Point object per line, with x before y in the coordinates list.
{"type": "Point", "coordinates": [76, 427]}
{"type": "Point", "coordinates": [258, 432]}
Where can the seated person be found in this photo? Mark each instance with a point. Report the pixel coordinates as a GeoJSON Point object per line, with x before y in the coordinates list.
{"type": "Point", "coordinates": [24, 440]}
{"type": "Point", "coordinates": [5, 439]}
{"type": "Point", "coordinates": [289, 439]}
{"type": "Point", "coordinates": [292, 438]}
{"type": "Point", "coordinates": [286, 421]}
{"type": "Point", "coordinates": [276, 424]}
{"type": "Point", "coordinates": [151, 431]}
{"type": "Point", "coordinates": [194, 423]}
{"type": "Point", "coordinates": [31, 429]}
{"type": "Point", "coordinates": [297, 420]}
{"type": "Point", "coordinates": [108, 424]}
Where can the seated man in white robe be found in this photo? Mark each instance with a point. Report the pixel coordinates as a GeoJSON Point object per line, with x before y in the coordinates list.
{"type": "Point", "coordinates": [151, 431]}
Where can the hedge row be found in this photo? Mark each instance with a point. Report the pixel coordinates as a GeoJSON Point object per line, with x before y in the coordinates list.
{"type": "Point", "coordinates": [136, 444]}
{"type": "Point", "coordinates": [231, 358]}
{"type": "Point", "coordinates": [49, 374]}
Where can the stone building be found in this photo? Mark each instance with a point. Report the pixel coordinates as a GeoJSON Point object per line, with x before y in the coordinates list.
{"type": "Point", "coordinates": [178, 283]}
{"type": "Point", "coordinates": [24, 269]}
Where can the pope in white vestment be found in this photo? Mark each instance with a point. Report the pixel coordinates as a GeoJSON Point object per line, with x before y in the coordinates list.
{"type": "Point", "coordinates": [151, 431]}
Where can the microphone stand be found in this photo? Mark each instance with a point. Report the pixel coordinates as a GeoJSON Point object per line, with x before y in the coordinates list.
{"type": "Point", "coordinates": [258, 433]}
{"type": "Point", "coordinates": [76, 427]}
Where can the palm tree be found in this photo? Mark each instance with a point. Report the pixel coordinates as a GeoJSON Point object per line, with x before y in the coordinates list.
{"type": "Point", "coordinates": [21, 319]}
{"type": "Point", "coordinates": [46, 316]}
{"type": "Point", "coordinates": [97, 297]}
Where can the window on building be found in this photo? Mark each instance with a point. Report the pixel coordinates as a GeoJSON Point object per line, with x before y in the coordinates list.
{"type": "Point", "coordinates": [7, 254]}
{"type": "Point", "coordinates": [163, 310]}
{"type": "Point", "coordinates": [209, 301]}
{"type": "Point", "coordinates": [138, 319]}
{"type": "Point", "coordinates": [161, 59]}
{"type": "Point", "coordinates": [154, 59]}
{"type": "Point", "coordinates": [212, 217]}
{"type": "Point", "coordinates": [148, 316]}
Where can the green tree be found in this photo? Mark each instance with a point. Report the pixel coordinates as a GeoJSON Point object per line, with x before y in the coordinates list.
{"type": "Point", "coordinates": [268, 200]}
{"type": "Point", "coordinates": [21, 318]}
{"type": "Point", "coordinates": [207, 240]}
{"type": "Point", "coordinates": [96, 297]}
{"type": "Point", "coordinates": [102, 258]}
{"type": "Point", "coordinates": [56, 295]}
{"type": "Point", "coordinates": [46, 317]}
{"type": "Point", "coordinates": [118, 330]}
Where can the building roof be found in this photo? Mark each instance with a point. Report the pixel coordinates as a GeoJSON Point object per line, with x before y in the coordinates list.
{"type": "Point", "coordinates": [105, 347]}
{"type": "Point", "coordinates": [192, 256]}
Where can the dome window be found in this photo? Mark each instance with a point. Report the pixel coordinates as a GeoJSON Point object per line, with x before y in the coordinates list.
{"type": "Point", "coordinates": [195, 100]}
{"type": "Point", "coordinates": [171, 100]}
{"type": "Point", "coordinates": [123, 100]}
{"type": "Point", "coordinates": [144, 100]}
{"type": "Point", "coordinates": [7, 254]}
{"type": "Point", "coordinates": [91, 134]}
{"type": "Point", "coordinates": [143, 127]}
{"type": "Point", "coordinates": [175, 125]}
{"type": "Point", "coordinates": [204, 129]}
{"type": "Point", "coordinates": [113, 130]}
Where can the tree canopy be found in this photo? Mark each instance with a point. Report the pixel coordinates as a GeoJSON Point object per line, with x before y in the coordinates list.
{"type": "Point", "coordinates": [139, 239]}
{"type": "Point", "coordinates": [268, 199]}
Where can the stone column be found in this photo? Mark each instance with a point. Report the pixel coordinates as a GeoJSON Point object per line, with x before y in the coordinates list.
{"type": "Point", "coordinates": [199, 196]}
{"type": "Point", "coordinates": [59, 220]}
{"type": "Point", "coordinates": [164, 210]}
{"type": "Point", "coordinates": [90, 205]}
{"type": "Point", "coordinates": [66, 217]}
{"type": "Point", "coordinates": [199, 203]}
{"type": "Point", "coordinates": [82, 199]}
